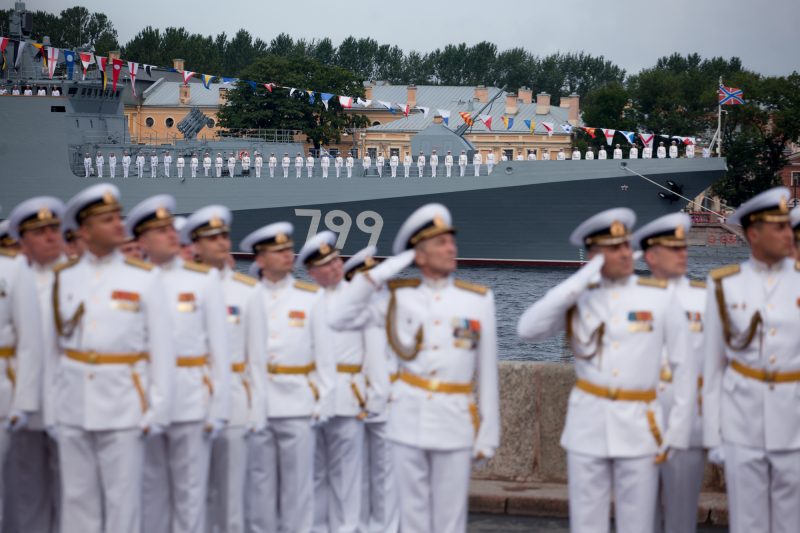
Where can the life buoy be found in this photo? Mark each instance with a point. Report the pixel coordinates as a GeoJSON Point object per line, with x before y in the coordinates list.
{"type": "Point", "coordinates": [243, 153]}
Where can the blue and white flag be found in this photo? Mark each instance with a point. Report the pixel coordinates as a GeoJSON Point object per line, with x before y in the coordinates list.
{"type": "Point", "coordinates": [69, 59]}
{"type": "Point", "coordinates": [567, 127]}
{"type": "Point", "coordinates": [631, 136]}
{"type": "Point", "coordinates": [325, 97]}
{"type": "Point", "coordinates": [445, 114]}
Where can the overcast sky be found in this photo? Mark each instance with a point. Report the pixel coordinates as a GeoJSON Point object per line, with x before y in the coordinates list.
{"type": "Point", "coordinates": [630, 33]}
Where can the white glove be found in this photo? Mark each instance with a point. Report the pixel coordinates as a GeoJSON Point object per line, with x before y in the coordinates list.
{"type": "Point", "coordinates": [254, 427]}
{"type": "Point", "coordinates": [569, 290]}
{"type": "Point", "coordinates": [664, 453]}
{"type": "Point", "coordinates": [716, 455]}
{"type": "Point", "coordinates": [16, 420]}
{"type": "Point", "coordinates": [153, 430]}
{"type": "Point", "coordinates": [213, 428]}
{"type": "Point", "coordinates": [481, 455]}
{"type": "Point", "coordinates": [391, 267]}
{"type": "Point", "coordinates": [52, 432]}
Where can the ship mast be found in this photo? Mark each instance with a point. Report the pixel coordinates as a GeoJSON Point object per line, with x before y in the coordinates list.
{"type": "Point", "coordinates": [462, 129]}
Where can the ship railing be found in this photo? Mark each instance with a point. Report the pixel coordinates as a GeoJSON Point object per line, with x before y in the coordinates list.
{"type": "Point", "coordinates": [265, 135]}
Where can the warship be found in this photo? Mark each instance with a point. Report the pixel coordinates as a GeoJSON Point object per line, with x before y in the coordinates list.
{"type": "Point", "coordinates": [520, 214]}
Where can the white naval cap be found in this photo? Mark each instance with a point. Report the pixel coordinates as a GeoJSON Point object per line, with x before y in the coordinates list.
{"type": "Point", "coordinates": [35, 213]}
{"type": "Point", "coordinates": [207, 222]}
{"type": "Point", "coordinates": [794, 217]}
{"type": "Point", "coordinates": [178, 222]}
{"type": "Point", "coordinates": [769, 206]}
{"type": "Point", "coordinates": [95, 200]}
{"type": "Point", "coordinates": [670, 230]}
{"type": "Point", "coordinates": [606, 228]}
{"type": "Point", "coordinates": [361, 261]}
{"type": "Point", "coordinates": [426, 222]}
{"type": "Point", "coordinates": [318, 250]}
{"type": "Point", "coordinates": [154, 212]}
{"type": "Point", "coordinates": [271, 238]}
{"type": "Point", "coordinates": [6, 240]}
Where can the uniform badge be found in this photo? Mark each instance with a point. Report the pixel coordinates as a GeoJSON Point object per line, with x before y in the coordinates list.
{"type": "Point", "coordinates": [466, 333]}
{"type": "Point", "coordinates": [125, 301]}
{"type": "Point", "coordinates": [186, 302]}
{"type": "Point", "coordinates": [640, 321]}
{"type": "Point", "coordinates": [695, 321]}
{"type": "Point", "coordinates": [297, 319]}
{"type": "Point", "coordinates": [234, 314]}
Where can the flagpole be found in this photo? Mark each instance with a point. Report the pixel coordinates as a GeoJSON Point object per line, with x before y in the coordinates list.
{"type": "Point", "coordinates": [719, 124]}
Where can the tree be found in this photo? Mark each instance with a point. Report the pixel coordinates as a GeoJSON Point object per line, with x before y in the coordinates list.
{"type": "Point", "coordinates": [259, 108]}
{"type": "Point", "coordinates": [81, 29]}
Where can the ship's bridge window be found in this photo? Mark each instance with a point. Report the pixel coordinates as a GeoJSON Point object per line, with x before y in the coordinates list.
{"type": "Point", "coordinates": [72, 91]}
{"type": "Point", "coordinates": [169, 122]}
{"type": "Point", "coordinates": [149, 122]}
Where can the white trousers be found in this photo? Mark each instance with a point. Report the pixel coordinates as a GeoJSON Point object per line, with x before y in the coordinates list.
{"type": "Point", "coordinates": [100, 170]}
{"type": "Point", "coordinates": [338, 457]}
{"type": "Point", "coordinates": [449, 170]}
{"type": "Point", "coordinates": [338, 172]}
{"type": "Point", "coordinates": [5, 442]}
{"type": "Point", "coordinates": [285, 172]}
{"type": "Point", "coordinates": [681, 481]}
{"type": "Point", "coordinates": [153, 170]}
{"type": "Point", "coordinates": [393, 168]}
{"type": "Point", "coordinates": [139, 170]}
{"type": "Point", "coordinates": [271, 172]}
{"type": "Point", "coordinates": [258, 171]}
{"type": "Point", "coordinates": [349, 172]}
{"type": "Point", "coordinates": [112, 169]}
{"type": "Point", "coordinates": [406, 170]}
{"type": "Point", "coordinates": [592, 480]}
{"type": "Point", "coordinates": [280, 483]}
{"type": "Point", "coordinates": [227, 481]}
{"type": "Point", "coordinates": [219, 170]}
{"type": "Point", "coordinates": [477, 170]}
{"type": "Point", "coordinates": [433, 171]}
{"type": "Point", "coordinates": [763, 490]}
{"type": "Point", "coordinates": [461, 170]}
{"type": "Point", "coordinates": [88, 168]}
{"type": "Point", "coordinates": [434, 489]}
{"type": "Point", "coordinates": [324, 172]}
{"type": "Point", "coordinates": [34, 474]}
{"type": "Point", "coordinates": [176, 479]}
{"type": "Point", "coordinates": [101, 480]}
{"type": "Point", "coordinates": [125, 169]}
{"type": "Point", "coordinates": [310, 171]}
{"type": "Point", "coordinates": [194, 171]}
{"type": "Point", "coordinates": [420, 171]}
{"type": "Point", "coordinates": [231, 169]}
{"type": "Point", "coordinates": [380, 512]}
{"type": "Point", "coordinates": [166, 170]}
{"type": "Point", "coordinates": [206, 170]}
{"type": "Point", "coordinates": [379, 168]}
{"type": "Point", "coordinates": [491, 167]}
{"type": "Point", "coordinates": [180, 172]}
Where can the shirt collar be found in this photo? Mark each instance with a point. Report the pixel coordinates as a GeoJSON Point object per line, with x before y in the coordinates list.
{"type": "Point", "coordinates": [280, 284]}
{"type": "Point", "coordinates": [437, 284]}
{"type": "Point", "coordinates": [762, 267]}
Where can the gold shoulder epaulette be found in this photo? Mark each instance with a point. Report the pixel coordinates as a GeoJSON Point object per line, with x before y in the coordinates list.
{"type": "Point", "coordinates": [697, 284]}
{"type": "Point", "coordinates": [138, 263]}
{"type": "Point", "coordinates": [306, 286]}
{"type": "Point", "coordinates": [197, 267]}
{"type": "Point", "coordinates": [244, 278]}
{"type": "Point", "coordinates": [724, 272]}
{"type": "Point", "coordinates": [472, 287]}
{"type": "Point", "coordinates": [593, 286]}
{"type": "Point", "coordinates": [652, 282]}
{"type": "Point", "coordinates": [66, 264]}
{"type": "Point", "coordinates": [403, 283]}
{"type": "Point", "coordinates": [8, 252]}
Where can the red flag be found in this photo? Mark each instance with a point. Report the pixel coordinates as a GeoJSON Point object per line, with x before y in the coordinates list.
{"type": "Point", "coordinates": [591, 132]}
{"type": "Point", "coordinates": [467, 118]}
{"type": "Point", "coordinates": [101, 64]}
{"type": "Point", "coordinates": [116, 68]}
{"type": "Point", "coordinates": [647, 139]}
{"type": "Point", "coordinates": [269, 86]}
{"type": "Point", "coordinates": [346, 101]}
{"type": "Point", "coordinates": [132, 68]}
{"type": "Point", "coordinates": [404, 108]}
{"type": "Point", "coordinates": [487, 120]}
{"type": "Point", "coordinates": [86, 60]}
{"type": "Point", "coordinates": [186, 75]}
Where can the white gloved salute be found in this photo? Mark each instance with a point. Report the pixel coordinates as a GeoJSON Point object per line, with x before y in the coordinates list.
{"type": "Point", "coordinates": [391, 267]}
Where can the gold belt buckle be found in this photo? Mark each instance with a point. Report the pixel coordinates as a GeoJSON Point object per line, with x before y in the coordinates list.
{"type": "Point", "coordinates": [770, 376]}
{"type": "Point", "coordinates": [434, 384]}
{"type": "Point", "coordinates": [613, 393]}
{"type": "Point", "coordinates": [92, 357]}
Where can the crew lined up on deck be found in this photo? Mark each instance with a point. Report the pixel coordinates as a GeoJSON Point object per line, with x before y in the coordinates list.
{"type": "Point", "coordinates": [206, 399]}
{"type": "Point", "coordinates": [241, 164]}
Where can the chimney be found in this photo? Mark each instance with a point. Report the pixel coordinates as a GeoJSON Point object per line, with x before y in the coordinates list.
{"type": "Point", "coordinates": [437, 119]}
{"type": "Point", "coordinates": [511, 104]}
{"type": "Point", "coordinates": [411, 97]}
{"type": "Point", "coordinates": [184, 96]}
{"type": "Point", "coordinates": [482, 94]}
{"type": "Point", "coordinates": [177, 64]}
{"type": "Point", "coordinates": [368, 91]}
{"type": "Point", "coordinates": [542, 104]}
{"type": "Point", "coordinates": [573, 103]}
{"type": "Point", "coordinates": [113, 54]}
{"type": "Point", "coordinates": [525, 95]}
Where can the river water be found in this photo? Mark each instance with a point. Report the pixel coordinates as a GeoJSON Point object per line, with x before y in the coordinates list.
{"type": "Point", "coordinates": [516, 288]}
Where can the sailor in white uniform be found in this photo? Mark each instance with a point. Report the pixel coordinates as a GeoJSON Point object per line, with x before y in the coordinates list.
{"type": "Point", "coordinates": [665, 246]}
{"type": "Point", "coordinates": [350, 163]}
{"type": "Point", "coordinates": [576, 155]}
{"type": "Point", "coordinates": [140, 164]}
{"type": "Point", "coordinates": [602, 154]}
{"type": "Point", "coordinates": [690, 151]}
{"type": "Point", "coordinates": [338, 163]}
{"type": "Point", "coordinates": [531, 155]}
{"type": "Point", "coordinates": [589, 154]}
{"type": "Point", "coordinates": [298, 165]}
{"type": "Point", "coordinates": [167, 163]}
{"type": "Point", "coordinates": [561, 156]}
{"type": "Point", "coordinates": [546, 155]}
{"type": "Point", "coordinates": [380, 512]}
{"type": "Point", "coordinates": [394, 160]}
{"type": "Point", "coordinates": [421, 164]}
{"type": "Point", "coordinates": [443, 331]}
{"type": "Point", "coordinates": [114, 368]}
{"type": "Point", "coordinates": [647, 152]}
{"type": "Point", "coordinates": [477, 159]}
{"type": "Point", "coordinates": [126, 163]}
{"type": "Point", "coordinates": [194, 162]}
{"type": "Point", "coordinates": [272, 164]}
{"type": "Point", "coordinates": [300, 376]}
{"type": "Point", "coordinates": [366, 163]}
{"type": "Point", "coordinates": [206, 164]}
{"type": "Point", "coordinates": [519, 157]}
{"type": "Point", "coordinates": [490, 162]}
{"type": "Point", "coordinates": [448, 164]}
{"type": "Point", "coordinates": [752, 370]}
{"type": "Point", "coordinates": [99, 162]}
{"type": "Point", "coordinates": [339, 442]}
{"type": "Point", "coordinates": [177, 463]}
{"type": "Point", "coordinates": [633, 153]}
{"type": "Point", "coordinates": [21, 357]}
{"type": "Point", "coordinates": [379, 163]}
{"type": "Point", "coordinates": [218, 162]}
{"type": "Point", "coordinates": [285, 163]}
{"type": "Point", "coordinates": [661, 152]}
{"type": "Point", "coordinates": [36, 224]}
{"type": "Point", "coordinates": [209, 229]}
{"type": "Point", "coordinates": [231, 164]}
{"type": "Point", "coordinates": [154, 165]}
{"type": "Point", "coordinates": [246, 164]}
{"type": "Point", "coordinates": [407, 165]}
{"type": "Point", "coordinates": [617, 152]}
{"type": "Point", "coordinates": [325, 163]}
{"type": "Point", "coordinates": [180, 163]}
{"type": "Point", "coordinates": [673, 150]}
{"type": "Point", "coordinates": [617, 325]}
{"type": "Point", "coordinates": [462, 163]}
{"type": "Point", "coordinates": [112, 165]}
{"type": "Point", "coordinates": [310, 164]}
{"type": "Point", "coordinates": [434, 161]}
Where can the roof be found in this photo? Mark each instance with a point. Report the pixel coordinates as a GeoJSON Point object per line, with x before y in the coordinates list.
{"type": "Point", "coordinates": [457, 99]}
{"type": "Point", "coordinates": [165, 93]}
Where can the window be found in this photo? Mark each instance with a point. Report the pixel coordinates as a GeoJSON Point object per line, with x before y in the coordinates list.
{"type": "Point", "coordinates": [509, 154]}
{"type": "Point", "coordinates": [169, 122]}
{"type": "Point", "coordinates": [376, 123]}
{"type": "Point", "coordinates": [795, 179]}
{"type": "Point", "coordinates": [372, 152]}
{"type": "Point", "coordinates": [149, 122]}
{"type": "Point", "coordinates": [211, 123]}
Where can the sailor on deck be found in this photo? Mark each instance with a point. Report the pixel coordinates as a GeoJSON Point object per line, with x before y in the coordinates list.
{"type": "Point", "coordinates": [87, 165]}
{"type": "Point", "coordinates": [218, 162]}
{"type": "Point", "coordinates": [177, 462]}
{"type": "Point", "coordinates": [617, 152]}
{"type": "Point", "coordinates": [448, 164]}
{"type": "Point", "coordinates": [126, 163]}
{"type": "Point", "coordinates": [434, 163]}
{"type": "Point", "coordinates": [379, 164]}
{"type": "Point", "coordinates": [602, 154]}
{"type": "Point", "coordinates": [338, 163]}
{"type": "Point", "coordinates": [561, 155]}
{"type": "Point", "coordinates": [531, 155]}
{"type": "Point", "coordinates": [194, 162]}
{"type": "Point", "coordinates": [661, 152]}
{"type": "Point", "coordinates": [673, 150]}
{"type": "Point", "coordinates": [589, 154]}
{"type": "Point", "coordinates": [310, 164]}
{"type": "Point", "coordinates": [246, 163]}
{"type": "Point", "coordinates": [407, 161]}
{"type": "Point", "coordinates": [206, 164]}
{"type": "Point", "coordinates": [664, 243]}
{"type": "Point", "coordinates": [298, 165]}
{"type": "Point", "coordinates": [421, 164]}
{"type": "Point", "coordinates": [393, 162]}
{"type": "Point", "coordinates": [490, 162]}
{"type": "Point", "coordinates": [576, 155]}
{"type": "Point", "coordinates": [443, 331]}
{"type": "Point", "coordinates": [299, 382]}
{"type": "Point", "coordinates": [114, 368]}
{"type": "Point", "coordinates": [140, 164]}
{"type": "Point", "coordinates": [634, 152]}
{"type": "Point", "coordinates": [350, 163]}
{"type": "Point", "coordinates": [477, 159]}
{"type": "Point", "coordinates": [153, 164]}
{"type": "Point", "coordinates": [180, 163]}
{"type": "Point", "coordinates": [546, 155]}
{"type": "Point", "coordinates": [462, 163]}
{"type": "Point", "coordinates": [617, 325]}
{"type": "Point", "coordinates": [259, 164]}
{"type": "Point", "coordinates": [690, 150]}
{"type": "Point", "coordinates": [366, 163]}
{"type": "Point", "coordinates": [285, 163]}
{"type": "Point", "coordinates": [647, 151]}
{"type": "Point", "coordinates": [99, 162]}
{"type": "Point", "coordinates": [272, 164]}
{"type": "Point", "coordinates": [232, 164]}
{"type": "Point", "coordinates": [325, 163]}
{"type": "Point", "coordinates": [112, 164]}
{"type": "Point", "coordinates": [167, 162]}
{"type": "Point", "coordinates": [752, 371]}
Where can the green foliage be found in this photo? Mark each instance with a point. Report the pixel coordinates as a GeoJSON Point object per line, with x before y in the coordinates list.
{"type": "Point", "coordinates": [260, 108]}
{"type": "Point", "coordinates": [73, 28]}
